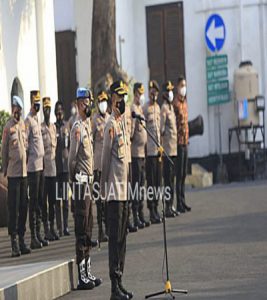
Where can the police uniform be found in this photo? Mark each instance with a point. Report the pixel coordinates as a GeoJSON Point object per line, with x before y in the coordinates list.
{"type": "Point", "coordinates": [114, 190]}
{"type": "Point", "coordinates": [138, 140]}
{"type": "Point", "coordinates": [49, 192]}
{"type": "Point", "coordinates": [98, 125]}
{"type": "Point", "coordinates": [35, 156]}
{"type": "Point", "coordinates": [153, 164]}
{"type": "Point", "coordinates": [62, 155]}
{"type": "Point", "coordinates": [168, 132]}
{"type": "Point", "coordinates": [15, 168]}
{"type": "Point", "coordinates": [81, 167]}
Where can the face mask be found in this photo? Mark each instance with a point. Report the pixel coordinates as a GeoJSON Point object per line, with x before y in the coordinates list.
{"type": "Point", "coordinates": [125, 98]}
{"type": "Point", "coordinates": [87, 111]}
{"type": "Point", "coordinates": [170, 96]}
{"type": "Point", "coordinates": [183, 91]}
{"type": "Point", "coordinates": [121, 106]}
{"type": "Point", "coordinates": [47, 115]}
{"type": "Point", "coordinates": [103, 107]}
{"type": "Point", "coordinates": [36, 107]}
{"type": "Point", "coordinates": [59, 116]}
{"type": "Point", "coordinates": [142, 99]}
{"type": "Point", "coordinates": [73, 111]}
{"type": "Point", "coordinates": [17, 115]}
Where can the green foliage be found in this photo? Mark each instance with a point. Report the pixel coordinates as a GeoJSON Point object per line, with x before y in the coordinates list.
{"type": "Point", "coordinates": [4, 116]}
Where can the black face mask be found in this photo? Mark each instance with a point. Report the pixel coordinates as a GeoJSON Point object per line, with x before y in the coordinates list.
{"type": "Point", "coordinates": [36, 106]}
{"type": "Point", "coordinates": [121, 106]}
{"type": "Point", "coordinates": [17, 115]}
{"type": "Point", "coordinates": [47, 115]}
{"type": "Point", "coordinates": [59, 116]}
{"type": "Point", "coordinates": [88, 111]}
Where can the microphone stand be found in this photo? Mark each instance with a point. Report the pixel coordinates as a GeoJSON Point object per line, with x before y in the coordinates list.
{"type": "Point", "coordinates": [168, 290]}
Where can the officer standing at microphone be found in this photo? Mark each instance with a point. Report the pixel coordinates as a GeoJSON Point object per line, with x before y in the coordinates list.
{"type": "Point", "coordinates": [81, 168]}
{"type": "Point", "coordinates": [168, 132]}
{"type": "Point", "coordinates": [153, 163]}
{"type": "Point", "coordinates": [114, 183]}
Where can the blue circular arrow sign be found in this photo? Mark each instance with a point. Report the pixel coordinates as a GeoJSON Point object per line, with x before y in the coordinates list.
{"type": "Point", "coordinates": [215, 33]}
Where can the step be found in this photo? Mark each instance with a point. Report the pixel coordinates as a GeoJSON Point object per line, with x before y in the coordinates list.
{"type": "Point", "coordinates": [37, 281]}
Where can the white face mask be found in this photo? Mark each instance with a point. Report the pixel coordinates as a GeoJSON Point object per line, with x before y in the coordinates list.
{"type": "Point", "coordinates": [125, 98]}
{"type": "Point", "coordinates": [170, 96]}
{"type": "Point", "coordinates": [142, 99]}
{"type": "Point", "coordinates": [183, 91]}
{"type": "Point", "coordinates": [103, 105]}
{"type": "Point", "coordinates": [73, 111]}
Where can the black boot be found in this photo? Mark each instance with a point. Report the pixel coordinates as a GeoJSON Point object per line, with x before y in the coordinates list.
{"type": "Point", "coordinates": [168, 211]}
{"type": "Point", "coordinates": [116, 293]}
{"type": "Point", "coordinates": [153, 217]}
{"type": "Point", "coordinates": [14, 246]}
{"type": "Point", "coordinates": [84, 283]}
{"type": "Point", "coordinates": [96, 281]}
{"type": "Point", "coordinates": [132, 228]}
{"type": "Point", "coordinates": [141, 214]}
{"type": "Point", "coordinates": [35, 243]}
{"type": "Point", "coordinates": [41, 240]}
{"type": "Point", "coordinates": [48, 235]}
{"type": "Point", "coordinates": [22, 246]}
{"type": "Point", "coordinates": [93, 243]}
{"type": "Point", "coordinates": [121, 287]}
{"type": "Point", "coordinates": [157, 215]}
{"type": "Point", "coordinates": [54, 233]}
{"type": "Point", "coordinates": [137, 222]}
{"type": "Point", "coordinates": [186, 207]}
{"type": "Point", "coordinates": [102, 237]}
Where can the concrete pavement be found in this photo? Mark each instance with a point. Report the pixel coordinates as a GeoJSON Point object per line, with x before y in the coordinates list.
{"type": "Point", "coordinates": [218, 251]}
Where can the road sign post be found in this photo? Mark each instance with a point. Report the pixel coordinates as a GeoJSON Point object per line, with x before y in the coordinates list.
{"type": "Point", "coordinates": [217, 75]}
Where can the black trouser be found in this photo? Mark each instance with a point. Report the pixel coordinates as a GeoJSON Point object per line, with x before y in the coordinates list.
{"type": "Point", "coordinates": [130, 200]}
{"type": "Point", "coordinates": [50, 196]}
{"type": "Point", "coordinates": [117, 232]}
{"type": "Point", "coordinates": [138, 181]}
{"type": "Point", "coordinates": [17, 205]}
{"type": "Point", "coordinates": [168, 175]}
{"type": "Point", "coordinates": [153, 176]}
{"type": "Point", "coordinates": [35, 183]}
{"type": "Point", "coordinates": [83, 220]}
{"type": "Point", "coordinates": [62, 180]}
{"type": "Point", "coordinates": [100, 205]}
{"type": "Point", "coordinates": [181, 170]}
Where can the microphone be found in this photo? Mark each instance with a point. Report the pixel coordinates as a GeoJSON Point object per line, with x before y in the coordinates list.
{"type": "Point", "coordinates": [139, 117]}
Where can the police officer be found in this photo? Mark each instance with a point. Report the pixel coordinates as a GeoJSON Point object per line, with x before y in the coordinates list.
{"type": "Point", "coordinates": [114, 189]}
{"type": "Point", "coordinates": [35, 155]}
{"type": "Point", "coordinates": [153, 164]}
{"type": "Point", "coordinates": [62, 154]}
{"type": "Point", "coordinates": [168, 132]}
{"type": "Point", "coordinates": [49, 192]}
{"type": "Point", "coordinates": [15, 168]}
{"type": "Point", "coordinates": [99, 121]}
{"type": "Point", "coordinates": [81, 169]}
{"type": "Point", "coordinates": [139, 140]}
{"type": "Point", "coordinates": [181, 112]}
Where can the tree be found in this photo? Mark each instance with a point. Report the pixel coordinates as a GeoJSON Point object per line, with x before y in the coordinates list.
{"type": "Point", "coordinates": [104, 63]}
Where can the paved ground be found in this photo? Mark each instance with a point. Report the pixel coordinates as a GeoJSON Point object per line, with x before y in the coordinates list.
{"type": "Point", "coordinates": [218, 251]}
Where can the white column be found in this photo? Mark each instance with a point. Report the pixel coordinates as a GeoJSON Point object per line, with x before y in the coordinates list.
{"type": "Point", "coordinates": [46, 49]}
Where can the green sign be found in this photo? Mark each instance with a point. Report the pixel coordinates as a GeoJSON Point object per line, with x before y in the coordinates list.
{"type": "Point", "coordinates": [216, 61]}
{"type": "Point", "coordinates": [217, 79]}
{"type": "Point", "coordinates": [219, 98]}
{"type": "Point", "coordinates": [217, 74]}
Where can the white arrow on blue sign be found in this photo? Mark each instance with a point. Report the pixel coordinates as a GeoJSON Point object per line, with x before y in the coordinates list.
{"type": "Point", "coordinates": [215, 33]}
